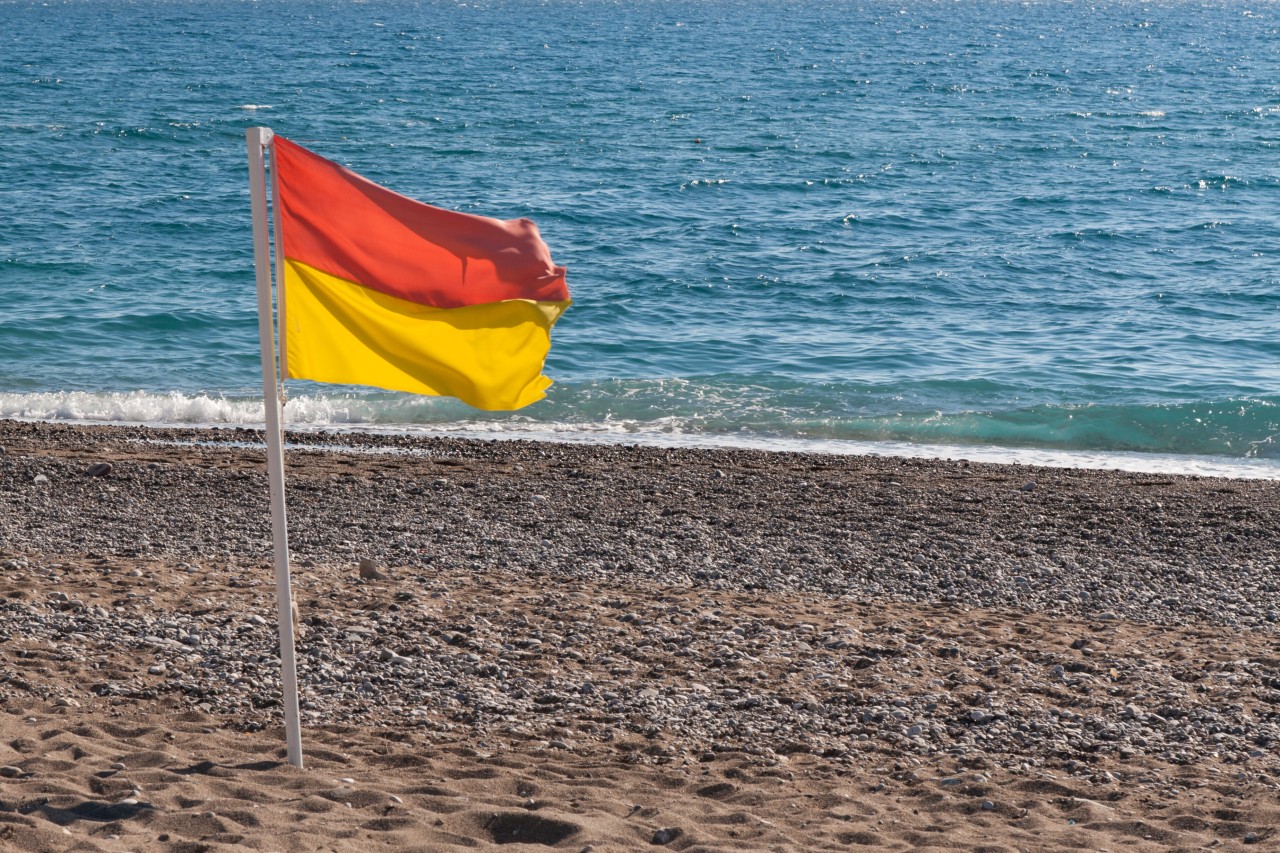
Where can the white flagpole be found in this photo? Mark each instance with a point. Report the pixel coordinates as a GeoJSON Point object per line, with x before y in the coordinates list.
{"type": "Point", "coordinates": [281, 303]}
{"type": "Point", "coordinates": [258, 138]}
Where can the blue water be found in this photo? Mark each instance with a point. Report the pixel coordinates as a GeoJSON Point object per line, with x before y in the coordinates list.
{"type": "Point", "coordinates": [1045, 226]}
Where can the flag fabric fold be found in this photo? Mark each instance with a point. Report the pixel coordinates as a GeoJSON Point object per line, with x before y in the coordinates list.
{"type": "Point", "coordinates": [383, 290]}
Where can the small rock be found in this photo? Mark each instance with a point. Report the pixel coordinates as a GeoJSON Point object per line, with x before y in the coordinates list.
{"type": "Point", "coordinates": [369, 570]}
{"type": "Point", "coordinates": [10, 772]}
{"type": "Point", "coordinates": [987, 805]}
{"type": "Point", "coordinates": [64, 702]}
{"type": "Point", "coordinates": [100, 469]}
{"type": "Point", "coordinates": [119, 765]}
{"type": "Point", "coordinates": [39, 479]}
{"type": "Point", "coordinates": [666, 835]}
{"type": "Point", "coordinates": [1027, 487]}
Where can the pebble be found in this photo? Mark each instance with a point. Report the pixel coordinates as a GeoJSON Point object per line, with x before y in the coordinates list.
{"type": "Point", "coordinates": [10, 772]}
{"type": "Point", "coordinates": [99, 469]}
{"type": "Point", "coordinates": [671, 671]}
{"type": "Point", "coordinates": [666, 835]}
{"type": "Point", "coordinates": [369, 569]}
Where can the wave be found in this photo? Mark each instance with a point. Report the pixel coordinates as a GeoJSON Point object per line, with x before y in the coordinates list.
{"type": "Point", "coordinates": [1237, 438]}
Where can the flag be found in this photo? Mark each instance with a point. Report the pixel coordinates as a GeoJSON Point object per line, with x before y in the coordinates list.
{"type": "Point", "coordinates": [386, 291]}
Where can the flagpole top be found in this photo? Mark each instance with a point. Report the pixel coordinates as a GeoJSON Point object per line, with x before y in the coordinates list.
{"type": "Point", "coordinates": [260, 135]}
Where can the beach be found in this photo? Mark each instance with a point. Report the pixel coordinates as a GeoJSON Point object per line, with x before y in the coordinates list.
{"type": "Point", "coordinates": [615, 648]}
{"type": "Point", "coordinates": [785, 545]}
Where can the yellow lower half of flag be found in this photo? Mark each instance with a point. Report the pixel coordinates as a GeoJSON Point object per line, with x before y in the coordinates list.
{"type": "Point", "coordinates": [489, 356]}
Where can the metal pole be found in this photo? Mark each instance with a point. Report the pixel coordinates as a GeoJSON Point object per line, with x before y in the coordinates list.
{"type": "Point", "coordinates": [258, 138]}
{"type": "Point", "coordinates": [282, 304]}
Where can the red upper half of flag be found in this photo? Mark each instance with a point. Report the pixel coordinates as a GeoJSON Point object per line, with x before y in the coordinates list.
{"type": "Point", "coordinates": [345, 225]}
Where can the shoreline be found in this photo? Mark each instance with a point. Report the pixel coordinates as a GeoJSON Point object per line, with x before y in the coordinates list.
{"type": "Point", "coordinates": [599, 646]}
{"type": "Point", "coordinates": [1244, 468]}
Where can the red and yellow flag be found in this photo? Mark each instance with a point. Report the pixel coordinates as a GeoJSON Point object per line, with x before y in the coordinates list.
{"type": "Point", "coordinates": [383, 290]}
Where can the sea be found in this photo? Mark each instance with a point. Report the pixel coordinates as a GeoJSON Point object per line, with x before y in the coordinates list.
{"type": "Point", "coordinates": [1041, 231]}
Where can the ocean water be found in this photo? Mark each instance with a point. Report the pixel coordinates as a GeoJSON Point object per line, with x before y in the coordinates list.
{"type": "Point", "coordinates": [1039, 230]}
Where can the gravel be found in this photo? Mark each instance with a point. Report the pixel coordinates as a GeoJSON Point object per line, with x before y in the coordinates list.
{"type": "Point", "coordinates": [672, 604]}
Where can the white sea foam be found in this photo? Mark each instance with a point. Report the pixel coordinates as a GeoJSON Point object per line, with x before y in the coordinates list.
{"type": "Point", "coordinates": [1152, 113]}
{"type": "Point", "coordinates": [135, 407]}
{"type": "Point", "coordinates": [177, 409]}
{"type": "Point", "coordinates": [397, 416]}
{"type": "Point", "coordinates": [252, 107]}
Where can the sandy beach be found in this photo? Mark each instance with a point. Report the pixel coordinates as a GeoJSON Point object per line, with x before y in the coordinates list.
{"type": "Point", "coordinates": [618, 648]}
